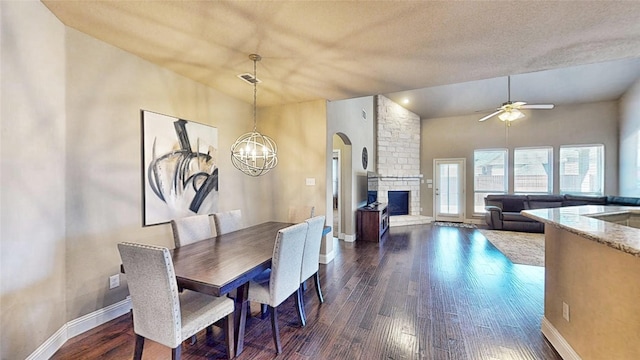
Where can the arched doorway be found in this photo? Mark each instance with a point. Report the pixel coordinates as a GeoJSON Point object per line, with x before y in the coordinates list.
{"type": "Point", "coordinates": [341, 179]}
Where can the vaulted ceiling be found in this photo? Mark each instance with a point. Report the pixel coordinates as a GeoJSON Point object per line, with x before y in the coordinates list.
{"type": "Point", "coordinates": [447, 57]}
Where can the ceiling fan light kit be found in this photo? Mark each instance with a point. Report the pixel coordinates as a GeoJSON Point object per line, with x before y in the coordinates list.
{"type": "Point", "coordinates": [510, 115]}
{"type": "Point", "coordinates": [510, 111]}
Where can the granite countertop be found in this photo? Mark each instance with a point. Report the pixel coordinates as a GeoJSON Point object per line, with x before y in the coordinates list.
{"type": "Point", "coordinates": [574, 219]}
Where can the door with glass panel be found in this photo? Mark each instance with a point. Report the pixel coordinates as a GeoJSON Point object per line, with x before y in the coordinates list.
{"type": "Point", "coordinates": [448, 189]}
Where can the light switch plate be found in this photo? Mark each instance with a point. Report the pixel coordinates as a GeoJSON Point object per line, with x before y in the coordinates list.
{"type": "Point", "coordinates": [310, 181]}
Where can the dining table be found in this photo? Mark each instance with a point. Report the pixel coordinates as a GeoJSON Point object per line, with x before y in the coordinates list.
{"type": "Point", "coordinates": [227, 262]}
{"type": "Point", "coordinates": [224, 263]}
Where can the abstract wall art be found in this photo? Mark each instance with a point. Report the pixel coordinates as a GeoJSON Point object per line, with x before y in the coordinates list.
{"type": "Point", "coordinates": [179, 168]}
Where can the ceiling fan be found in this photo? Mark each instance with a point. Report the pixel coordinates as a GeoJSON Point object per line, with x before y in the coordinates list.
{"type": "Point", "coordinates": [510, 111]}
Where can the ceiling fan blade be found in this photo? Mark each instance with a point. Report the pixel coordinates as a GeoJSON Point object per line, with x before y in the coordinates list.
{"type": "Point", "coordinates": [492, 114]}
{"type": "Point", "coordinates": [518, 104]}
{"type": "Point", "coordinates": [538, 106]}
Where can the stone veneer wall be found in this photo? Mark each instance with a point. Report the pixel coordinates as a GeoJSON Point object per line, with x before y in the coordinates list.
{"type": "Point", "coordinates": [398, 152]}
{"type": "Point", "coordinates": [398, 139]}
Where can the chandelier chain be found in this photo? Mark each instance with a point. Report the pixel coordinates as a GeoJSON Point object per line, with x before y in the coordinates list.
{"type": "Point", "coordinates": [255, 93]}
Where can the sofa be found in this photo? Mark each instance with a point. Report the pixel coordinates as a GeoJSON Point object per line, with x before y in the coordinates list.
{"type": "Point", "coordinates": [503, 211]}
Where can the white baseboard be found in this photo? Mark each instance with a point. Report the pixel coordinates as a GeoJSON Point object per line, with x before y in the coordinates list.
{"type": "Point", "coordinates": [327, 258]}
{"type": "Point", "coordinates": [79, 326]}
{"type": "Point", "coordinates": [99, 317]}
{"type": "Point", "coordinates": [49, 347]}
{"type": "Point", "coordinates": [559, 343]}
{"type": "Point", "coordinates": [474, 221]}
{"type": "Point", "coordinates": [349, 238]}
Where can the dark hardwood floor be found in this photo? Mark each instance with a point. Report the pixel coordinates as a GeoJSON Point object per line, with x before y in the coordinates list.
{"type": "Point", "coordinates": [425, 292]}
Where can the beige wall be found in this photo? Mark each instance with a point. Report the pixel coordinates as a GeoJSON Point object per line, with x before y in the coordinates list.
{"type": "Point", "coordinates": [70, 171]}
{"type": "Point", "coordinates": [458, 137]}
{"type": "Point", "coordinates": [345, 117]}
{"type": "Point", "coordinates": [630, 142]}
{"type": "Point", "coordinates": [106, 88]}
{"type": "Point", "coordinates": [601, 285]}
{"type": "Point", "coordinates": [74, 121]}
{"type": "Point", "coordinates": [301, 156]}
{"type": "Point", "coordinates": [32, 177]}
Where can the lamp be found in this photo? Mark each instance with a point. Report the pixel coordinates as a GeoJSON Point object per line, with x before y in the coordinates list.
{"type": "Point", "coordinates": [253, 153]}
{"type": "Point", "coordinates": [511, 114]}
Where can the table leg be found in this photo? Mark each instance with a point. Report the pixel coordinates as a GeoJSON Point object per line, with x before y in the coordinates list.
{"type": "Point", "coordinates": [241, 316]}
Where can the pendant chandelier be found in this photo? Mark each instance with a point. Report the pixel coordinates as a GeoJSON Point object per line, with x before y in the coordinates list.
{"type": "Point", "coordinates": [253, 153]}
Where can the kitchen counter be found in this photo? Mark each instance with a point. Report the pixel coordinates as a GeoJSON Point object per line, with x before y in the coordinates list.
{"type": "Point", "coordinates": [592, 281]}
{"type": "Point", "coordinates": [578, 220]}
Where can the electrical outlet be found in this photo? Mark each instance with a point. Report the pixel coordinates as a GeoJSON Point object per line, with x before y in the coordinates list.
{"type": "Point", "coordinates": [565, 311]}
{"type": "Point", "coordinates": [114, 281]}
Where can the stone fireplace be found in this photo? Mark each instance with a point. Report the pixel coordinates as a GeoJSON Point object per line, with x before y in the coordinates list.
{"type": "Point", "coordinates": [410, 184]}
{"type": "Point", "coordinates": [398, 158]}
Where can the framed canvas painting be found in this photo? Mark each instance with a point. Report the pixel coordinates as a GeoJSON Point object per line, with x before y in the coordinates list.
{"type": "Point", "coordinates": [179, 168]}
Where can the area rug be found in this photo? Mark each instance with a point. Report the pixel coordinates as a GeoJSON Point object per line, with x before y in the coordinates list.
{"type": "Point", "coordinates": [520, 247]}
{"type": "Point", "coordinates": [454, 224]}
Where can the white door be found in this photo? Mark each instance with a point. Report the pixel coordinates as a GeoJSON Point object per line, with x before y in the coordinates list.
{"type": "Point", "coordinates": [448, 189]}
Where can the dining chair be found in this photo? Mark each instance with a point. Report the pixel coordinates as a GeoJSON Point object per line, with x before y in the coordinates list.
{"type": "Point", "coordinates": [285, 274]}
{"type": "Point", "coordinates": [298, 214]}
{"type": "Point", "coordinates": [228, 221]}
{"type": "Point", "coordinates": [190, 229]}
{"type": "Point", "coordinates": [160, 312]}
{"type": "Point", "coordinates": [310, 262]}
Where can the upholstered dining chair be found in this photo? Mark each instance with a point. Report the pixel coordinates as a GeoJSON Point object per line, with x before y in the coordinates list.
{"type": "Point", "coordinates": [310, 262]}
{"type": "Point", "coordinates": [160, 312]}
{"type": "Point", "coordinates": [228, 221]}
{"type": "Point", "coordinates": [298, 214]}
{"type": "Point", "coordinates": [285, 274]}
{"type": "Point", "coordinates": [190, 229]}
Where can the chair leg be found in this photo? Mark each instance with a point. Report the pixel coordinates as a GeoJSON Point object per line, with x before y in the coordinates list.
{"type": "Point", "coordinates": [228, 335]}
{"type": "Point", "coordinates": [300, 306]}
{"type": "Point", "coordinates": [263, 311]}
{"type": "Point", "coordinates": [318, 290]}
{"type": "Point", "coordinates": [209, 333]}
{"type": "Point", "coordinates": [137, 353]}
{"type": "Point", "coordinates": [176, 352]}
{"type": "Point", "coordinates": [274, 329]}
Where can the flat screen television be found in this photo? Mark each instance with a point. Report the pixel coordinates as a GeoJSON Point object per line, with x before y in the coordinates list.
{"type": "Point", "coordinates": [372, 197]}
{"type": "Point", "coordinates": [372, 188]}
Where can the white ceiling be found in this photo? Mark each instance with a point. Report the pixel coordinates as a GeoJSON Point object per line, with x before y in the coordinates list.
{"type": "Point", "coordinates": [457, 54]}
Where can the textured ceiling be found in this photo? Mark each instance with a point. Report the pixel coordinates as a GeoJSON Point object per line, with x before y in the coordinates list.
{"type": "Point", "coordinates": [343, 49]}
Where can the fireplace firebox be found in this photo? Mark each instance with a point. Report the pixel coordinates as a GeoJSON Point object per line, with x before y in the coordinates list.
{"type": "Point", "coordinates": [398, 203]}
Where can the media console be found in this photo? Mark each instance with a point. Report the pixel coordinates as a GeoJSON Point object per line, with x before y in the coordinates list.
{"type": "Point", "coordinates": [372, 222]}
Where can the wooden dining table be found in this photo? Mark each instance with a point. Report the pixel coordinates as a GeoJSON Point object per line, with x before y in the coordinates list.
{"type": "Point", "coordinates": [224, 263]}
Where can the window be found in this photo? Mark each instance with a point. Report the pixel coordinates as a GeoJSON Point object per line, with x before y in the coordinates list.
{"type": "Point", "coordinates": [582, 169]}
{"type": "Point", "coordinates": [532, 170]}
{"type": "Point", "coordinates": [489, 175]}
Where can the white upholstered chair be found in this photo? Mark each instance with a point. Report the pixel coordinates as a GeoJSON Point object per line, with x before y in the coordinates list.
{"type": "Point", "coordinates": [285, 274]}
{"type": "Point", "coordinates": [311, 261]}
{"type": "Point", "coordinates": [160, 312]}
{"type": "Point", "coordinates": [298, 214]}
{"type": "Point", "coordinates": [228, 221]}
{"type": "Point", "coordinates": [190, 229]}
